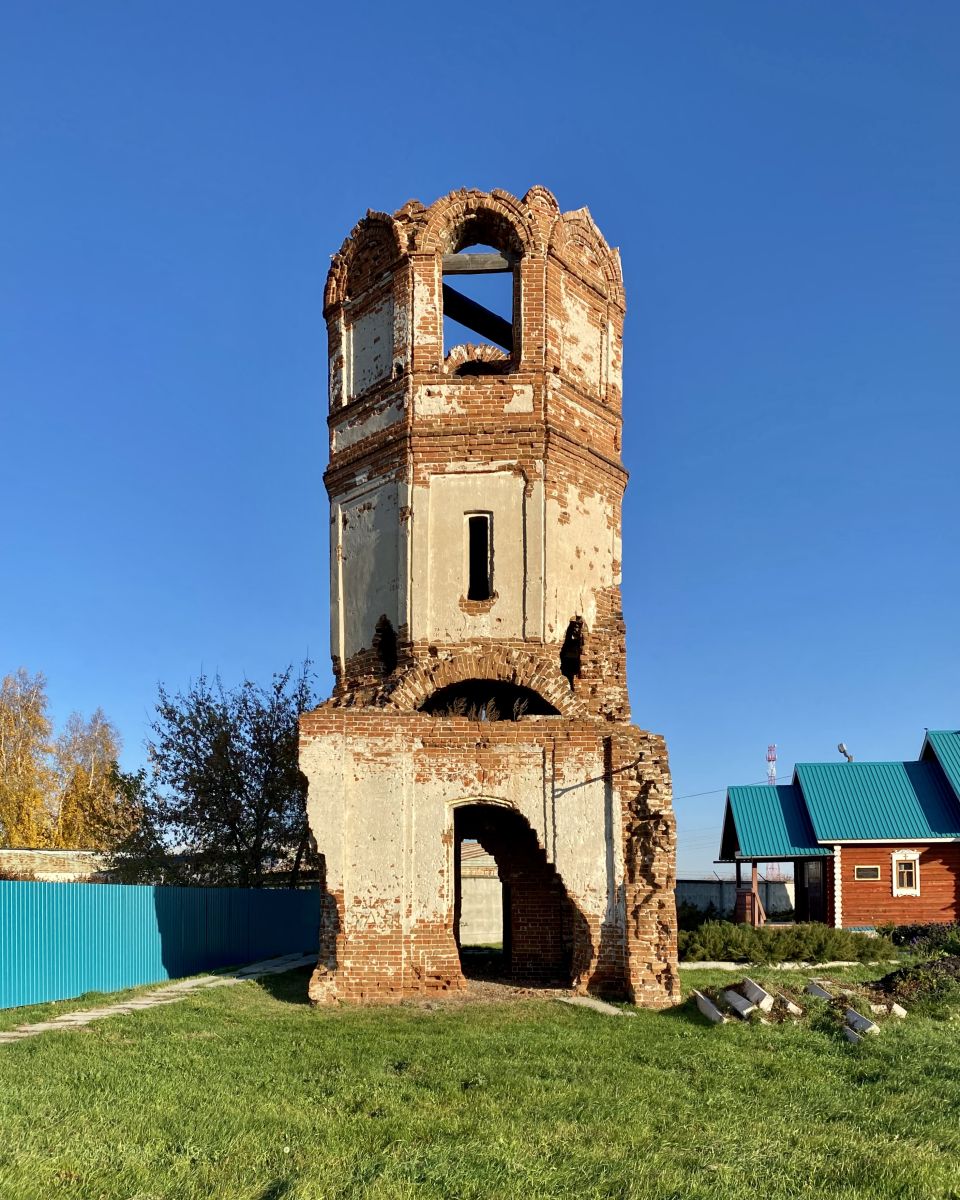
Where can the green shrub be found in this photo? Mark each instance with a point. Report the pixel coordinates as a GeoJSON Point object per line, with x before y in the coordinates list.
{"type": "Point", "coordinates": [722, 941]}
{"type": "Point", "coordinates": [938, 937]}
{"type": "Point", "coordinates": [690, 917]}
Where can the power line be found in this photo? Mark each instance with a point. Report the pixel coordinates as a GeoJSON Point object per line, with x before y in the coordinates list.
{"type": "Point", "coordinates": [714, 791]}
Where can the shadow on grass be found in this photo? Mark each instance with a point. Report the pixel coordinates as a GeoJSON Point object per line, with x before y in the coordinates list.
{"type": "Point", "coordinates": [687, 1012]}
{"type": "Point", "coordinates": [275, 1190]}
{"type": "Point", "coordinates": [289, 988]}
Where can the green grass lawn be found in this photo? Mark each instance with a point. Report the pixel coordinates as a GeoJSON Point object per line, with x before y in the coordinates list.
{"type": "Point", "coordinates": [246, 1092]}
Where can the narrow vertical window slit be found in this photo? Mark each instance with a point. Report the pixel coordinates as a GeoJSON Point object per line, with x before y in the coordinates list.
{"type": "Point", "coordinates": [479, 582]}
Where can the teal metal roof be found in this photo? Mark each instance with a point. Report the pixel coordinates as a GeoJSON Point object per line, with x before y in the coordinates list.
{"type": "Point", "coordinates": [770, 822]}
{"type": "Point", "coordinates": [945, 744]}
{"type": "Point", "coordinates": [854, 801]}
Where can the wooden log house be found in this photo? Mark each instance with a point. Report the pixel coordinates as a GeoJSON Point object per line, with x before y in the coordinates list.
{"type": "Point", "coordinates": [872, 843]}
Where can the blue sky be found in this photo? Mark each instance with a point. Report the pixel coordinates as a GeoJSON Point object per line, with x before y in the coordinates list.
{"type": "Point", "coordinates": [784, 184]}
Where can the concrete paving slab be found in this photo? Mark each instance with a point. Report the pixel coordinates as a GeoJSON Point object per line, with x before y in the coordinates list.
{"type": "Point", "coordinates": [170, 994]}
{"type": "Point", "coordinates": [861, 1023]}
{"type": "Point", "coordinates": [760, 996]}
{"type": "Point", "coordinates": [785, 966]}
{"type": "Point", "coordinates": [740, 1004]}
{"type": "Point", "coordinates": [708, 1008]}
{"type": "Point", "coordinates": [600, 1006]}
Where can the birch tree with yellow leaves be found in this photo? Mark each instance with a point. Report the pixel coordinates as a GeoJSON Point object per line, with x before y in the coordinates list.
{"type": "Point", "coordinates": [57, 792]}
{"type": "Point", "coordinates": [92, 812]}
{"type": "Point", "coordinates": [27, 778]}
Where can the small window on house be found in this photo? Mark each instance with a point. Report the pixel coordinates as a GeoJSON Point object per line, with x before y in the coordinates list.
{"type": "Point", "coordinates": [906, 873]}
{"type": "Point", "coordinates": [866, 873]}
{"type": "Point", "coordinates": [479, 556]}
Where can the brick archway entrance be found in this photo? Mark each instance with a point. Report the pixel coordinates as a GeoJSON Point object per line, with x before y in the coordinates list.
{"type": "Point", "coordinates": [539, 919]}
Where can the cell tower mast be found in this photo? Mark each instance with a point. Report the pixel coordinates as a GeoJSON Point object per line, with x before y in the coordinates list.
{"type": "Point", "coordinates": [772, 765]}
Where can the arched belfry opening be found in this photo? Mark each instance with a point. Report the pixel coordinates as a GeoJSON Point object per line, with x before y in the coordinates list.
{"type": "Point", "coordinates": [538, 918]}
{"type": "Point", "coordinates": [476, 623]}
{"type": "Point", "coordinates": [488, 700]}
{"type": "Point", "coordinates": [481, 297]}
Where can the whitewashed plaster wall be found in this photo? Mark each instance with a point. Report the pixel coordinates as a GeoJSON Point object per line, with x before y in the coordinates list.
{"type": "Point", "coordinates": [440, 547]}
{"type": "Point", "coordinates": [369, 347]}
{"type": "Point", "coordinates": [351, 428]}
{"type": "Point", "coordinates": [367, 565]}
{"type": "Point", "coordinates": [582, 332]}
{"type": "Point", "coordinates": [388, 841]}
{"type": "Point", "coordinates": [582, 553]}
{"type": "Point", "coordinates": [550, 556]}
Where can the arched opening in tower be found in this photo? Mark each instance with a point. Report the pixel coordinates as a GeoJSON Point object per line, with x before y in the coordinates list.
{"type": "Point", "coordinates": [538, 921]}
{"type": "Point", "coordinates": [485, 300]}
{"type": "Point", "coordinates": [488, 700]}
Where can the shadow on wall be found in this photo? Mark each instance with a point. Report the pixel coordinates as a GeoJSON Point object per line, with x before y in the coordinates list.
{"type": "Point", "coordinates": [547, 940]}
{"type": "Point", "coordinates": [201, 929]}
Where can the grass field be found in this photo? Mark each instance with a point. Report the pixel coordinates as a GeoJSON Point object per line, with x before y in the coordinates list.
{"type": "Point", "coordinates": [248, 1093]}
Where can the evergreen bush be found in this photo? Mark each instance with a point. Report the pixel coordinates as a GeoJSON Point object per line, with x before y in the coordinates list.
{"type": "Point", "coordinates": [722, 941]}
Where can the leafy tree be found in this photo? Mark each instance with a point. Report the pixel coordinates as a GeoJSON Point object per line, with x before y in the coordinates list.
{"type": "Point", "coordinates": [57, 793]}
{"type": "Point", "coordinates": [93, 812]}
{"type": "Point", "coordinates": [223, 800]}
{"type": "Point", "coordinates": [27, 779]}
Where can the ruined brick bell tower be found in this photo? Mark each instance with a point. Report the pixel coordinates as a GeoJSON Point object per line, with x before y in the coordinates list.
{"type": "Point", "coordinates": [476, 627]}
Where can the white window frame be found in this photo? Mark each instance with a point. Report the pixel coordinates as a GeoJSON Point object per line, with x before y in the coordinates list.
{"type": "Point", "coordinates": [912, 856]}
{"type": "Point", "coordinates": [867, 878]}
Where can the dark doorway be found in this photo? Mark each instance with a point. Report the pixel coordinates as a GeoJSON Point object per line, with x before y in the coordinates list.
{"type": "Point", "coordinates": [480, 911]}
{"type": "Point", "coordinates": [539, 919]}
{"type": "Point", "coordinates": [811, 897]}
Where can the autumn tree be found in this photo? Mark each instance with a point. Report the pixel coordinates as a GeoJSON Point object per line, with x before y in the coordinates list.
{"type": "Point", "coordinates": [63, 792]}
{"type": "Point", "coordinates": [223, 799]}
{"type": "Point", "coordinates": [27, 778]}
{"type": "Point", "coordinates": [93, 812]}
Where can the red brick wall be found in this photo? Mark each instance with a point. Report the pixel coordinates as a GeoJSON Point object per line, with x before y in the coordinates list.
{"type": "Point", "coordinates": [867, 902]}
{"type": "Point", "coordinates": [553, 935]}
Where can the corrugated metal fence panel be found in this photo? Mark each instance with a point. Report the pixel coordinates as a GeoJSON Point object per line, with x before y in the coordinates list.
{"type": "Point", "coordinates": [59, 940]}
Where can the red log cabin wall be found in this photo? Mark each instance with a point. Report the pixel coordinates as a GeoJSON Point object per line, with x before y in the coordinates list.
{"type": "Point", "coordinates": [872, 902]}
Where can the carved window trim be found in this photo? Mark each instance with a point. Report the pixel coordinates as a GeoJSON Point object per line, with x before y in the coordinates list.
{"type": "Point", "coordinates": [906, 872]}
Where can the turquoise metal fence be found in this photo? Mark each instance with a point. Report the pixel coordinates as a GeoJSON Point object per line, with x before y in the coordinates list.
{"type": "Point", "coordinates": [59, 940]}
